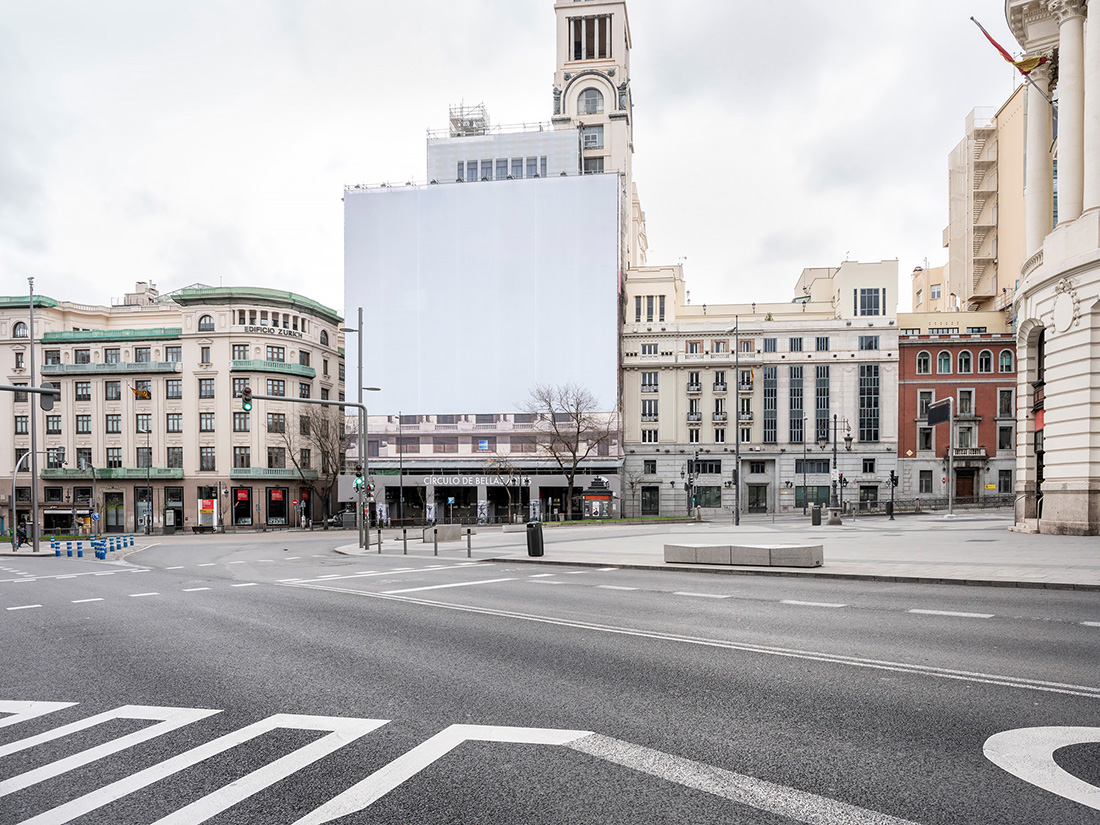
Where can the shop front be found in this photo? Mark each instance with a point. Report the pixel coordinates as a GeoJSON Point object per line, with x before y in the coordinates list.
{"type": "Point", "coordinates": [278, 507]}
{"type": "Point", "coordinates": [242, 506]}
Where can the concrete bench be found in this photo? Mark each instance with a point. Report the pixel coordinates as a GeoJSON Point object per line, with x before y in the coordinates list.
{"type": "Point", "coordinates": [447, 532]}
{"type": "Point", "coordinates": [756, 555]}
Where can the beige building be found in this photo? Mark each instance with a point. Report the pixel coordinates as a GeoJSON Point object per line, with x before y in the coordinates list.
{"type": "Point", "coordinates": [1058, 300]}
{"type": "Point", "coordinates": [695, 393]}
{"type": "Point", "coordinates": [150, 416]}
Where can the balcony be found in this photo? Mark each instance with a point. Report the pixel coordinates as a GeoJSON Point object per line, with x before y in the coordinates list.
{"type": "Point", "coordinates": [694, 417]}
{"type": "Point", "coordinates": [117, 368]}
{"type": "Point", "coordinates": [649, 388]}
{"type": "Point", "coordinates": [745, 386]}
{"type": "Point", "coordinates": [744, 416]}
{"type": "Point", "coordinates": [113, 474]}
{"type": "Point", "coordinates": [695, 387]}
{"type": "Point", "coordinates": [720, 417]}
{"type": "Point", "coordinates": [273, 366]}
{"type": "Point", "coordinates": [261, 473]}
{"type": "Point", "coordinates": [649, 419]}
{"type": "Point", "coordinates": [969, 452]}
{"type": "Point", "coordinates": [720, 386]}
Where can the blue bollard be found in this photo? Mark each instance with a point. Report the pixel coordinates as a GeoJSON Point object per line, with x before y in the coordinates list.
{"type": "Point", "coordinates": [70, 552]}
{"type": "Point", "coordinates": [57, 552]}
{"type": "Point", "coordinates": [131, 540]}
{"type": "Point", "coordinates": [79, 554]}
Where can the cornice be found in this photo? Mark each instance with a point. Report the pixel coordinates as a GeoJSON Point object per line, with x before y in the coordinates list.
{"type": "Point", "coordinates": [1065, 10]}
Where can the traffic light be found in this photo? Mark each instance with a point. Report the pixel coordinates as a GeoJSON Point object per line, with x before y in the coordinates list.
{"type": "Point", "coordinates": [843, 480]}
{"type": "Point", "coordinates": [59, 454]}
{"type": "Point", "coordinates": [893, 479]}
{"type": "Point", "coordinates": [246, 399]}
{"type": "Point", "coordinates": [358, 476]}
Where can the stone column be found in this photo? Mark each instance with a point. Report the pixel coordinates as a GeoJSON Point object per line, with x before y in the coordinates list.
{"type": "Point", "coordinates": [1070, 15]}
{"type": "Point", "coordinates": [1092, 112]}
{"type": "Point", "coordinates": [1039, 182]}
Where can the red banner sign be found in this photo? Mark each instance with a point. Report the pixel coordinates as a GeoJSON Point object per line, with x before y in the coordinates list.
{"type": "Point", "coordinates": [242, 495]}
{"type": "Point", "coordinates": [276, 495]}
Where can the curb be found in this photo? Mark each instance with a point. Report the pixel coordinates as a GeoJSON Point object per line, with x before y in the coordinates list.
{"type": "Point", "coordinates": [870, 577]}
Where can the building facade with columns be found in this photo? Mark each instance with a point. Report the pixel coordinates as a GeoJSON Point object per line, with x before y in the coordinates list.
{"type": "Point", "coordinates": [1058, 300]}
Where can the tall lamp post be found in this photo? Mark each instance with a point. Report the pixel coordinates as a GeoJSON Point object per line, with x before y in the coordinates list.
{"type": "Point", "coordinates": [805, 491]}
{"type": "Point", "coordinates": [834, 506]}
{"type": "Point", "coordinates": [736, 330]}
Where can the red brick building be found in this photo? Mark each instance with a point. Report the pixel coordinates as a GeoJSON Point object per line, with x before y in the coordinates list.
{"type": "Point", "coordinates": [976, 369]}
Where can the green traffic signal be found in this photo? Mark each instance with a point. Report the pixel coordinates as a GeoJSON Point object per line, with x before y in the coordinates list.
{"type": "Point", "coordinates": [246, 399]}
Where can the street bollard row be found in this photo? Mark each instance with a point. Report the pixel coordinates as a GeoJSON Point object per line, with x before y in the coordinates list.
{"type": "Point", "coordinates": [100, 546]}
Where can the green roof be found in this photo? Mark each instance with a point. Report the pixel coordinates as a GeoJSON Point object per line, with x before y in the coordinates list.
{"type": "Point", "coordinates": [90, 336]}
{"type": "Point", "coordinates": [24, 300]}
{"type": "Point", "coordinates": [234, 294]}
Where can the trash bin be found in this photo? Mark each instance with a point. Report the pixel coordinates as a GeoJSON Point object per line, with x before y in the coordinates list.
{"type": "Point", "coordinates": [815, 515]}
{"type": "Point", "coordinates": [534, 538]}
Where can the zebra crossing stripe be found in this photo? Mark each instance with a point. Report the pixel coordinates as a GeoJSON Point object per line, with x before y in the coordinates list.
{"type": "Point", "coordinates": [343, 731]}
{"type": "Point", "coordinates": [22, 711]}
{"type": "Point", "coordinates": [169, 719]}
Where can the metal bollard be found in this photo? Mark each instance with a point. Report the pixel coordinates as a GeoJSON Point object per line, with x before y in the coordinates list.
{"type": "Point", "coordinates": [469, 546]}
{"type": "Point", "coordinates": [435, 539]}
{"type": "Point", "coordinates": [405, 540]}
{"type": "Point", "coordinates": [379, 538]}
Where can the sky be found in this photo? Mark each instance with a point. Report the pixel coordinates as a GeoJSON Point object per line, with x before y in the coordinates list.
{"type": "Point", "coordinates": [210, 142]}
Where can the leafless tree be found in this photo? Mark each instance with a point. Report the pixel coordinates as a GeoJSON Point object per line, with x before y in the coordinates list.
{"type": "Point", "coordinates": [323, 432]}
{"type": "Point", "coordinates": [503, 468]}
{"type": "Point", "coordinates": [633, 481]}
{"type": "Point", "coordinates": [569, 427]}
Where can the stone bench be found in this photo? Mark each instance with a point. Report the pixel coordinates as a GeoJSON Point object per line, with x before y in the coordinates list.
{"type": "Point", "coordinates": [447, 532]}
{"type": "Point", "coordinates": [756, 555]}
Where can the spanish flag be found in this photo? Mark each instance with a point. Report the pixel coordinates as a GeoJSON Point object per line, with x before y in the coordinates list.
{"type": "Point", "coordinates": [1025, 66]}
{"type": "Point", "coordinates": [142, 394]}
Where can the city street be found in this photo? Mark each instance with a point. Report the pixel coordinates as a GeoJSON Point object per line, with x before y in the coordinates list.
{"type": "Point", "coordinates": [266, 678]}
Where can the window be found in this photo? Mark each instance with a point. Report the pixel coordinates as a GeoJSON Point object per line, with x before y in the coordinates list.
{"type": "Point", "coordinates": [868, 342]}
{"type": "Point", "coordinates": [694, 347]}
{"type": "Point", "coordinates": [82, 356]}
{"type": "Point", "coordinates": [821, 403]}
{"type": "Point", "coordinates": [590, 103]}
{"type": "Point", "coordinates": [1004, 481]}
{"type": "Point", "coordinates": [771, 404]}
{"type": "Point", "coordinates": [206, 323]}
{"type": "Point", "coordinates": [718, 347]}
{"type": "Point", "coordinates": [19, 330]}
{"type": "Point", "coordinates": [811, 466]}
{"type": "Point", "coordinates": [924, 401]}
{"type": "Point", "coordinates": [1005, 440]}
{"type": "Point", "coordinates": [303, 358]}
{"type": "Point", "coordinates": [53, 425]}
{"type": "Point", "coordinates": [112, 355]}
{"type": "Point", "coordinates": [112, 390]}
{"type": "Point", "coordinates": [143, 423]}
{"type": "Point", "coordinates": [649, 382]}
{"type": "Point", "coordinates": [920, 296]}
{"type": "Point", "coordinates": [965, 362]}
{"type": "Point", "coordinates": [206, 422]}
{"type": "Point", "coordinates": [523, 444]}
{"type": "Point", "coordinates": [83, 462]}
{"type": "Point", "coordinates": [276, 423]}
{"type": "Point", "coordinates": [943, 363]}
{"type": "Point", "coordinates": [985, 361]}
{"type": "Point", "coordinates": [204, 355]}
{"type": "Point", "coordinates": [449, 444]}
{"type": "Point", "coordinates": [693, 383]}
{"type": "Point", "coordinates": [324, 338]}
{"type": "Point", "coordinates": [324, 394]}
{"type": "Point", "coordinates": [649, 349]}
{"type": "Point", "coordinates": [868, 465]}
{"type": "Point", "coordinates": [649, 410]}
{"type": "Point", "coordinates": [870, 301]}
{"type": "Point", "coordinates": [276, 458]}
{"type": "Point", "coordinates": [924, 438]}
{"type": "Point", "coordinates": [649, 467]}
{"type": "Point", "coordinates": [242, 457]}
{"type": "Point", "coordinates": [925, 481]}
{"type": "Point", "coordinates": [304, 426]}
{"type": "Point", "coordinates": [276, 354]}
{"type": "Point", "coordinates": [173, 354]}
{"type": "Point", "coordinates": [207, 459]}
{"type": "Point", "coordinates": [719, 380]}
{"type": "Point", "coordinates": [175, 457]}
{"type": "Point", "coordinates": [114, 457]}
{"type": "Point", "coordinates": [82, 391]}
{"type": "Point", "coordinates": [924, 363]}
{"type": "Point", "coordinates": [909, 331]}
{"type": "Point", "coordinates": [53, 357]}
{"type": "Point", "coordinates": [943, 330]}
{"type": "Point", "coordinates": [173, 423]}
{"type": "Point", "coordinates": [796, 423]}
{"type": "Point", "coordinates": [1004, 404]}
{"type": "Point", "coordinates": [719, 435]}
{"type": "Point", "coordinates": [340, 371]}
{"type": "Point", "coordinates": [868, 402]}
{"type": "Point", "coordinates": [794, 344]}
{"type": "Point", "coordinates": [502, 168]}
{"type": "Point", "coordinates": [173, 388]}
{"type": "Point", "coordinates": [144, 389]}
{"type": "Point", "coordinates": [144, 457]}
{"type": "Point", "coordinates": [113, 424]}
{"type": "Point", "coordinates": [822, 343]}
{"type": "Point", "coordinates": [22, 424]}
{"type": "Point", "coordinates": [935, 290]}
{"type": "Point", "coordinates": [83, 425]}
{"type": "Point", "coordinates": [649, 436]}
{"type": "Point", "coordinates": [693, 436]}
{"type": "Point", "coordinates": [746, 435]}
{"type": "Point", "coordinates": [1005, 361]}
{"type": "Point", "coordinates": [593, 166]}
{"type": "Point", "coordinates": [976, 330]}
{"type": "Point", "coordinates": [966, 402]}
{"type": "Point", "coordinates": [276, 386]}
{"type": "Point", "coordinates": [966, 437]}
{"type": "Point", "coordinates": [240, 352]}
{"type": "Point", "coordinates": [408, 444]}
{"type": "Point", "coordinates": [142, 355]}
{"type": "Point", "coordinates": [769, 344]}
{"type": "Point", "coordinates": [206, 388]}
{"type": "Point", "coordinates": [517, 168]}
{"type": "Point", "coordinates": [746, 346]}
{"type": "Point", "coordinates": [305, 458]}
{"type": "Point", "coordinates": [756, 468]}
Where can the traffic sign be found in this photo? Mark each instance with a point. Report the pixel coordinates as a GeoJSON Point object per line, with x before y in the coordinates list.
{"type": "Point", "coordinates": [95, 516]}
{"type": "Point", "coordinates": [294, 503]}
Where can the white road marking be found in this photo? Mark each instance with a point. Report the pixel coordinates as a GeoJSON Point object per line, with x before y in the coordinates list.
{"type": "Point", "coordinates": [245, 584]}
{"type": "Point", "coordinates": [575, 572]}
{"type": "Point", "coordinates": [810, 604]}
{"type": "Point", "coordinates": [208, 564]}
{"type": "Point", "coordinates": [139, 595]}
{"type": "Point", "coordinates": [22, 711]}
{"type": "Point", "coordinates": [238, 562]}
{"type": "Point", "coordinates": [390, 776]}
{"type": "Point", "coordinates": [73, 576]}
{"type": "Point", "coordinates": [177, 567]}
{"type": "Point", "coordinates": [744, 647]}
{"type": "Point", "coordinates": [1028, 753]}
{"type": "Point", "coordinates": [702, 595]}
{"type": "Point", "coordinates": [606, 569]}
{"type": "Point", "coordinates": [169, 719]}
{"type": "Point", "coordinates": [284, 581]}
{"type": "Point", "coordinates": [19, 581]}
{"type": "Point", "coordinates": [545, 581]}
{"type": "Point", "coordinates": [797, 805]}
{"type": "Point", "coordinates": [613, 587]}
{"type": "Point", "coordinates": [1091, 624]}
{"type": "Point", "coordinates": [194, 589]}
{"type": "Point", "coordinates": [441, 586]}
{"type": "Point", "coordinates": [291, 558]}
{"type": "Point", "coordinates": [84, 601]}
{"type": "Point", "coordinates": [954, 613]}
{"type": "Point", "coordinates": [541, 575]}
{"type": "Point", "coordinates": [261, 560]}
{"type": "Point", "coordinates": [328, 578]}
{"type": "Point", "coordinates": [23, 607]}
{"type": "Point", "coordinates": [343, 731]}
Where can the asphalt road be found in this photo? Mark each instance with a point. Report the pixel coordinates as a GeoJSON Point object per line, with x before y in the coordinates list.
{"type": "Point", "coordinates": [267, 679]}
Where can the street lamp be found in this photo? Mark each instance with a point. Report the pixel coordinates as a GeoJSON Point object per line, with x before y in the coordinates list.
{"type": "Point", "coordinates": [363, 521]}
{"type": "Point", "coordinates": [834, 506]}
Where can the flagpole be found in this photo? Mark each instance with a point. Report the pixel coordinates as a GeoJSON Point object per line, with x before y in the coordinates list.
{"type": "Point", "coordinates": [1026, 75]}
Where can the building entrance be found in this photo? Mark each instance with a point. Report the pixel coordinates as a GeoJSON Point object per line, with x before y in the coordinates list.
{"type": "Point", "coordinates": [758, 498]}
{"type": "Point", "coordinates": [114, 507]}
{"type": "Point", "coordinates": [964, 484]}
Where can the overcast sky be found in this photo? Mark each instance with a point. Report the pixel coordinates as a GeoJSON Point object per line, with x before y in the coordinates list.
{"type": "Point", "coordinates": [206, 141]}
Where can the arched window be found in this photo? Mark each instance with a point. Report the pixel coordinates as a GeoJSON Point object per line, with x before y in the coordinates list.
{"type": "Point", "coordinates": [19, 330]}
{"type": "Point", "coordinates": [1006, 360]}
{"type": "Point", "coordinates": [924, 363]}
{"type": "Point", "coordinates": [206, 323]}
{"type": "Point", "coordinates": [591, 102]}
{"type": "Point", "coordinates": [985, 361]}
{"type": "Point", "coordinates": [943, 363]}
{"type": "Point", "coordinates": [324, 338]}
{"type": "Point", "coordinates": [966, 364]}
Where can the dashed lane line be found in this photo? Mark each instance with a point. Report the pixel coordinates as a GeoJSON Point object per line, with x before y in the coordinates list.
{"type": "Point", "coordinates": [541, 575]}
{"type": "Point", "coordinates": [810, 604]}
{"type": "Point", "coordinates": [139, 595]}
{"type": "Point", "coordinates": [23, 607]}
{"type": "Point", "coordinates": [442, 586]}
{"type": "Point", "coordinates": [702, 595]}
{"type": "Point", "coordinates": [177, 567]}
{"type": "Point", "coordinates": [194, 589]}
{"type": "Point", "coordinates": [207, 564]}
{"type": "Point", "coordinates": [1091, 624]}
{"type": "Point", "coordinates": [85, 601]}
{"type": "Point", "coordinates": [245, 584]}
{"type": "Point", "coordinates": [956, 613]}
{"type": "Point", "coordinates": [614, 587]}
{"type": "Point", "coordinates": [606, 569]}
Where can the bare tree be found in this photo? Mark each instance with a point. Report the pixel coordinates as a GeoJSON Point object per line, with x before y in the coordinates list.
{"type": "Point", "coordinates": [504, 469]}
{"type": "Point", "coordinates": [323, 432]}
{"type": "Point", "coordinates": [569, 427]}
{"type": "Point", "coordinates": [633, 481]}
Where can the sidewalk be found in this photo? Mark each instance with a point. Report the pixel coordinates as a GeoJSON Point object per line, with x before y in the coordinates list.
{"type": "Point", "coordinates": [975, 549]}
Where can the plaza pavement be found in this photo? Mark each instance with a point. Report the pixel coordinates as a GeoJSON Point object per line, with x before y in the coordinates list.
{"type": "Point", "coordinates": [969, 548]}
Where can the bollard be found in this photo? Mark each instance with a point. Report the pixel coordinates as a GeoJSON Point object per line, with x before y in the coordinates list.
{"type": "Point", "coordinates": [57, 552]}
{"type": "Point", "coordinates": [469, 547]}
{"type": "Point", "coordinates": [405, 540]}
{"type": "Point", "coordinates": [69, 552]}
{"type": "Point", "coordinates": [379, 537]}
{"type": "Point", "coordinates": [79, 553]}
{"type": "Point", "coordinates": [435, 539]}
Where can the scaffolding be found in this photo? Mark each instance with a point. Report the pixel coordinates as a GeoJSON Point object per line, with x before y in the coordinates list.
{"type": "Point", "coordinates": [469, 120]}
